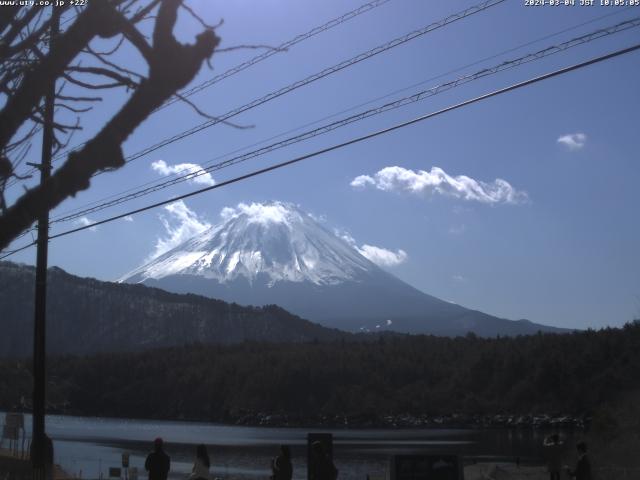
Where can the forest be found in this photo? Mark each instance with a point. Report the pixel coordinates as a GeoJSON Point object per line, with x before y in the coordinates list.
{"type": "Point", "coordinates": [572, 373]}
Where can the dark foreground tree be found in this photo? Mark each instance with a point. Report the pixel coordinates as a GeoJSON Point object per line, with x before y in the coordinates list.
{"type": "Point", "coordinates": [29, 65]}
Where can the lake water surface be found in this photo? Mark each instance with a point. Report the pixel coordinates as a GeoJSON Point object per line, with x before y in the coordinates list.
{"type": "Point", "coordinates": [87, 447]}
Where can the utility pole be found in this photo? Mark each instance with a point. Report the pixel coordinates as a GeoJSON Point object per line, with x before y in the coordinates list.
{"type": "Point", "coordinates": [40, 448]}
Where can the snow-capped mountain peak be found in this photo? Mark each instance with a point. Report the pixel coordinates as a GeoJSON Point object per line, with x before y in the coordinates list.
{"type": "Point", "coordinates": [277, 240]}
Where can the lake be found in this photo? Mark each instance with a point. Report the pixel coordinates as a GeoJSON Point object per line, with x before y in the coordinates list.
{"type": "Point", "coordinates": [87, 447]}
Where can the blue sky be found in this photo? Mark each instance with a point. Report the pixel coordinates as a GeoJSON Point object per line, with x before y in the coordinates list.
{"type": "Point", "coordinates": [557, 245]}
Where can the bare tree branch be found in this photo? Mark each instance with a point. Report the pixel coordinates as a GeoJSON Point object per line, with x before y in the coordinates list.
{"type": "Point", "coordinates": [79, 99]}
{"type": "Point", "coordinates": [142, 13]}
{"type": "Point", "coordinates": [124, 80]}
{"type": "Point", "coordinates": [172, 66]}
{"type": "Point", "coordinates": [200, 19]}
{"type": "Point", "coordinates": [16, 27]}
{"type": "Point", "coordinates": [208, 116]}
{"type": "Point", "coordinates": [7, 15]}
{"type": "Point", "coordinates": [92, 86]}
{"type": "Point", "coordinates": [73, 109]}
{"type": "Point", "coordinates": [113, 50]}
{"type": "Point", "coordinates": [31, 39]}
{"type": "Point", "coordinates": [33, 85]}
{"type": "Point", "coordinates": [111, 64]}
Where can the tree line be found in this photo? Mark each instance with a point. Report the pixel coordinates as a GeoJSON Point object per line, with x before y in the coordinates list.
{"type": "Point", "coordinates": [390, 374]}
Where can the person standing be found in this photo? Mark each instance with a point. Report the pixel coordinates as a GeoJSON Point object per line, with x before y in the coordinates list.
{"type": "Point", "coordinates": [281, 465]}
{"type": "Point", "coordinates": [200, 470]}
{"type": "Point", "coordinates": [323, 467]}
{"type": "Point", "coordinates": [583, 467]}
{"type": "Point", "coordinates": [158, 462]}
{"type": "Point", "coordinates": [553, 453]}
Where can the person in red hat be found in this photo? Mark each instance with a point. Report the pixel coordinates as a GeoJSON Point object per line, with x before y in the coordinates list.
{"type": "Point", "coordinates": [157, 462]}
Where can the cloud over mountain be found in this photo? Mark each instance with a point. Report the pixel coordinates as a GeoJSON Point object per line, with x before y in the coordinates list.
{"type": "Point", "coordinates": [378, 255]}
{"type": "Point", "coordinates": [180, 224]}
{"type": "Point", "coordinates": [383, 257]}
{"type": "Point", "coordinates": [258, 212]}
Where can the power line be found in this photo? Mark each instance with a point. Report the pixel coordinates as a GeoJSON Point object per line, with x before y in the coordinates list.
{"type": "Point", "coordinates": [506, 65]}
{"type": "Point", "coordinates": [362, 138]}
{"type": "Point", "coordinates": [317, 76]}
{"type": "Point", "coordinates": [103, 200]}
{"type": "Point", "coordinates": [252, 61]}
{"type": "Point", "coordinates": [280, 48]}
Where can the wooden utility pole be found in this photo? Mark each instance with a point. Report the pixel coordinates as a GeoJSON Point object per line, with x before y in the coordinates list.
{"type": "Point", "coordinates": [41, 450]}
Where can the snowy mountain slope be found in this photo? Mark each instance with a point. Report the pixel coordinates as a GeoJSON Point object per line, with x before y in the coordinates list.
{"type": "Point", "coordinates": [277, 240]}
{"type": "Point", "coordinates": [275, 253]}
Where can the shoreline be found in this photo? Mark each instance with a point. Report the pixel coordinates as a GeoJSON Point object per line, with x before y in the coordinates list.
{"type": "Point", "coordinates": [522, 422]}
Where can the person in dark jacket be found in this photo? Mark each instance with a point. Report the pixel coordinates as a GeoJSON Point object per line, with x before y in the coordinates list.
{"type": "Point", "coordinates": [281, 465]}
{"type": "Point", "coordinates": [157, 462]}
{"type": "Point", "coordinates": [553, 453]}
{"type": "Point", "coordinates": [583, 467]}
{"type": "Point", "coordinates": [323, 468]}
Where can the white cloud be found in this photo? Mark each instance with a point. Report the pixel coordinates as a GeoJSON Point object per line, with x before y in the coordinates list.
{"type": "Point", "coordinates": [274, 212]}
{"type": "Point", "coordinates": [128, 218]}
{"type": "Point", "coordinates": [196, 173]}
{"type": "Point", "coordinates": [383, 257]}
{"type": "Point", "coordinates": [437, 181]}
{"type": "Point", "coordinates": [573, 141]}
{"type": "Point", "coordinates": [318, 218]}
{"type": "Point", "coordinates": [459, 278]}
{"type": "Point", "coordinates": [378, 255]}
{"type": "Point", "coordinates": [362, 181]}
{"type": "Point", "coordinates": [346, 236]}
{"type": "Point", "coordinates": [85, 222]}
{"type": "Point", "coordinates": [181, 224]}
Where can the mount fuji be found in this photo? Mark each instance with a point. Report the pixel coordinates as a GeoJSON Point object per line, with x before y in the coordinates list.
{"type": "Point", "coordinates": [275, 253]}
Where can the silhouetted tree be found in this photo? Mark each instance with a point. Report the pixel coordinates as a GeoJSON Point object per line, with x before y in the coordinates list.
{"type": "Point", "coordinates": [29, 64]}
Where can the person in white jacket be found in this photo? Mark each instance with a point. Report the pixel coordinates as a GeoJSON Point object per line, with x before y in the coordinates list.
{"type": "Point", "coordinates": [200, 470]}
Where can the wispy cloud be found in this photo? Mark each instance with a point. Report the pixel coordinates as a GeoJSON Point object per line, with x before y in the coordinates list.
{"type": "Point", "coordinates": [573, 141]}
{"type": "Point", "coordinates": [180, 224]}
{"type": "Point", "coordinates": [382, 256]}
{"type": "Point", "coordinates": [437, 181]}
{"type": "Point", "coordinates": [459, 278]}
{"type": "Point", "coordinates": [378, 255]}
{"type": "Point", "coordinates": [457, 229]}
{"type": "Point", "coordinates": [196, 173]}
{"type": "Point", "coordinates": [128, 218]}
{"type": "Point", "coordinates": [85, 222]}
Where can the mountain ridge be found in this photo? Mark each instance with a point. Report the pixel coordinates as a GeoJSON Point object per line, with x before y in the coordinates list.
{"type": "Point", "coordinates": [277, 253]}
{"type": "Point", "coordinates": [86, 315]}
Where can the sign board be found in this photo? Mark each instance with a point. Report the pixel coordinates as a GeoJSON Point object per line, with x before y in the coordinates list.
{"type": "Point", "coordinates": [326, 439]}
{"type": "Point", "coordinates": [114, 472]}
{"type": "Point", "coordinates": [426, 467]}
